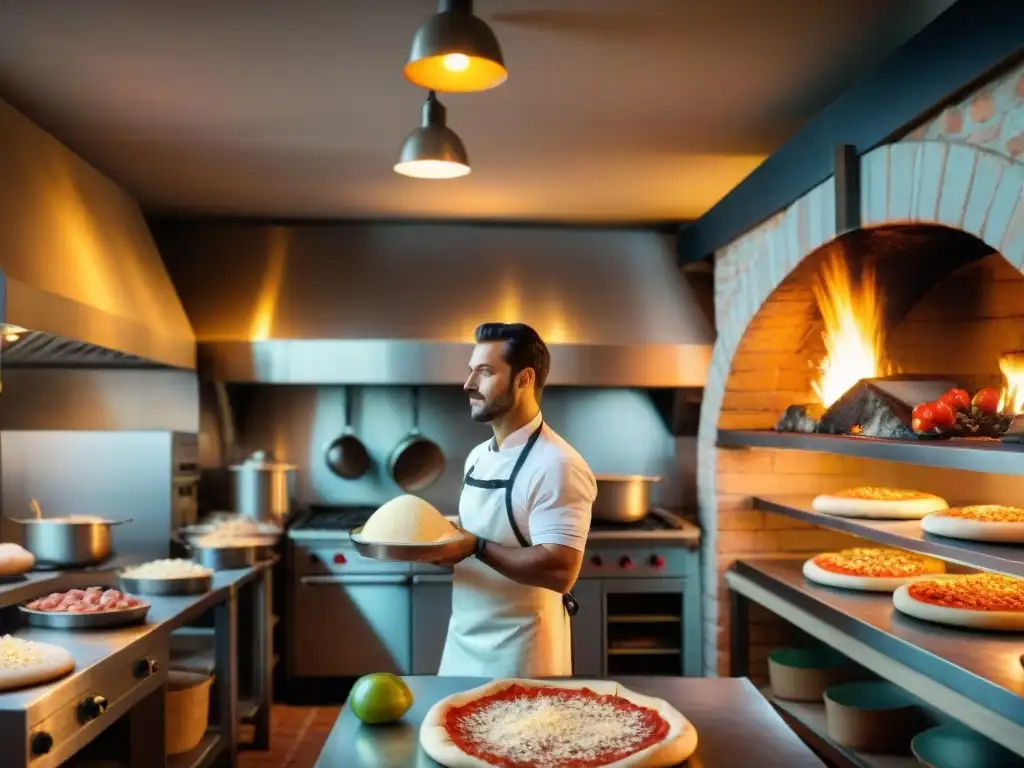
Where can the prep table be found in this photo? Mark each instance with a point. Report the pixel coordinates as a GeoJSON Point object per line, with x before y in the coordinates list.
{"type": "Point", "coordinates": [736, 726]}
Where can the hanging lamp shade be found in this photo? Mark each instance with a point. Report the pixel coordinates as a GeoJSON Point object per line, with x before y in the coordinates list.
{"type": "Point", "coordinates": [455, 51]}
{"type": "Point", "coordinates": [433, 151]}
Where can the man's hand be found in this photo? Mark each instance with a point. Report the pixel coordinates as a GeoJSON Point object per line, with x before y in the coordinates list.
{"type": "Point", "coordinates": [459, 552]}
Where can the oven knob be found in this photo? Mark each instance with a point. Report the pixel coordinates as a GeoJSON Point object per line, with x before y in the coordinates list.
{"type": "Point", "coordinates": [596, 560]}
{"type": "Point", "coordinates": [41, 743]}
{"type": "Point", "coordinates": [339, 559]}
{"type": "Point", "coordinates": [145, 667]}
{"type": "Point", "coordinates": [657, 561]}
{"type": "Point", "coordinates": [626, 561]}
{"type": "Point", "coordinates": [91, 708]}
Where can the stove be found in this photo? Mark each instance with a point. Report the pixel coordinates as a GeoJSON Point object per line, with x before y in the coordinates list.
{"type": "Point", "coordinates": [327, 518]}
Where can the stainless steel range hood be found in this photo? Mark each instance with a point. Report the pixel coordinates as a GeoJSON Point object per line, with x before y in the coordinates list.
{"type": "Point", "coordinates": [81, 281]}
{"type": "Point", "coordinates": [398, 303]}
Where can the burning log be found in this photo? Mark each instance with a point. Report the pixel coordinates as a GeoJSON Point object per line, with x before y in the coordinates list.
{"type": "Point", "coordinates": [1015, 431]}
{"type": "Point", "coordinates": [881, 407]}
{"type": "Point", "coordinates": [800, 418]}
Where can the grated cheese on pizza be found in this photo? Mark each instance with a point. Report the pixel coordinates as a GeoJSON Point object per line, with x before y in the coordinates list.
{"type": "Point", "coordinates": [876, 561]}
{"type": "Point", "coordinates": [16, 653]}
{"type": "Point", "coordinates": [986, 513]}
{"type": "Point", "coordinates": [878, 493]}
{"type": "Point", "coordinates": [550, 727]}
{"type": "Point", "coordinates": [976, 592]}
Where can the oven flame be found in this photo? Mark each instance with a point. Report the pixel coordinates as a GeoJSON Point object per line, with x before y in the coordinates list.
{"type": "Point", "coordinates": [853, 334]}
{"type": "Point", "coordinates": [1012, 398]}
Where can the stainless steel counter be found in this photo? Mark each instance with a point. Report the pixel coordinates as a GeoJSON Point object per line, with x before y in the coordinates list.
{"type": "Point", "coordinates": [735, 725]}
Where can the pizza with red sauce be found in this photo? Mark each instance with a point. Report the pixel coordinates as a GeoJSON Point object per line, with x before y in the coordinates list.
{"type": "Point", "coordinates": [872, 569]}
{"type": "Point", "coordinates": [555, 724]}
{"type": "Point", "coordinates": [979, 600]}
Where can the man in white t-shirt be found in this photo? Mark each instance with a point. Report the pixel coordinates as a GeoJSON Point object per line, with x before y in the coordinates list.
{"type": "Point", "coordinates": [525, 507]}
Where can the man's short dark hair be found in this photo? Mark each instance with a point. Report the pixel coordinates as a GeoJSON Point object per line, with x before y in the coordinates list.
{"type": "Point", "coordinates": [524, 348]}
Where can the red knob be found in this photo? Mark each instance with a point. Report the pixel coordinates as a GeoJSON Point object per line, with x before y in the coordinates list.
{"type": "Point", "coordinates": [657, 561]}
{"type": "Point", "coordinates": [339, 559]}
{"type": "Point", "coordinates": [626, 562]}
{"type": "Point", "coordinates": [596, 560]}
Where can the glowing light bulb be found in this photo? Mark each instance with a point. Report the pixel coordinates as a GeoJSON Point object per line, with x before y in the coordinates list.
{"type": "Point", "coordinates": [456, 62]}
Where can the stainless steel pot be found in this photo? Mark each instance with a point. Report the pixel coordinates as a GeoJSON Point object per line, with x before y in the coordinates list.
{"type": "Point", "coordinates": [69, 541]}
{"type": "Point", "coordinates": [262, 488]}
{"type": "Point", "coordinates": [623, 498]}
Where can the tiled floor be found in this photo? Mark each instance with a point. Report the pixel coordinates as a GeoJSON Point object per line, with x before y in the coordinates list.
{"type": "Point", "coordinates": [297, 735]}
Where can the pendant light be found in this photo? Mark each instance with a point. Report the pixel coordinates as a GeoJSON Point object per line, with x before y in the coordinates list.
{"type": "Point", "coordinates": [455, 51]}
{"type": "Point", "coordinates": [433, 151]}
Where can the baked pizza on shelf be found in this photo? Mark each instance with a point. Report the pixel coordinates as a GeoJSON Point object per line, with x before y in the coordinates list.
{"type": "Point", "coordinates": [981, 522]}
{"type": "Point", "coordinates": [878, 502]}
{"type": "Point", "coordinates": [871, 569]}
{"type": "Point", "coordinates": [977, 601]}
{"type": "Point", "coordinates": [515, 723]}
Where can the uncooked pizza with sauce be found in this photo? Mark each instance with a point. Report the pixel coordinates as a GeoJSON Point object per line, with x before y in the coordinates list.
{"type": "Point", "coordinates": [555, 724]}
{"type": "Point", "coordinates": [879, 502]}
{"type": "Point", "coordinates": [977, 601]}
{"type": "Point", "coordinates": [872, 569]}
{"type": "Point", "coordinates": [981, 522]}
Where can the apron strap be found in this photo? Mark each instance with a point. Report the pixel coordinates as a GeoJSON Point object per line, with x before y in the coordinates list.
{"type": "Point", "coordinates": [510, 484]}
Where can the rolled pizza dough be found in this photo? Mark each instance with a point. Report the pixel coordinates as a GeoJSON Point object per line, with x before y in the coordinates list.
{"type": "Point", "coordinates": [15, 560]}
{"type": "Point", "coordinates": [881, 503]}
{"type": "Point", "coordinates": [1006, 621]}
{"type": "Point", "coordinates": [25, 662]}
{"type": "Point", "coordinates": [679, 743]}
{"type": "Point", "coordinates": [408, 520]}
{"type": "Point", "coordinates": [817, 574]}
{"type": "Point", "coordinates": [970, 529]}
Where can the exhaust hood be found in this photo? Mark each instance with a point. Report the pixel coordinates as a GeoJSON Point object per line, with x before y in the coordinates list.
{"type": "Point", "coordinates": [81, 280]}
{"type": "Point", "coordinates": [398, 303]}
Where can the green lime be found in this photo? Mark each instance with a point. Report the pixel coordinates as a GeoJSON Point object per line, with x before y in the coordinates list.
{"type": "Point", "coordinates": [380, 698]}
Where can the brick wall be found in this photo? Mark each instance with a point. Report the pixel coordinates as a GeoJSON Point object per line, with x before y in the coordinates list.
{"type": "Point", "coordinates": [767, 333]}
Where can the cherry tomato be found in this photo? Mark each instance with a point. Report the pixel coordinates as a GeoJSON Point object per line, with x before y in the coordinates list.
{"type": "Point", "coordinates": [944, 416]}
{"type": "Point", "coordinates": [957, 399]}
{"type": "Point", "coordinates": [923, 418]}
{"type": "Point", "coordinates": [986, 400]}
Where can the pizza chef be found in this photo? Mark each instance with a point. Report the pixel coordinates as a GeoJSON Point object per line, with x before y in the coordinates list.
{"type": "Point", "coordinates": [525, 505]}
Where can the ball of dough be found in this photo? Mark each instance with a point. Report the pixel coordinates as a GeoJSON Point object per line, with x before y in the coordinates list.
{"type": "Point", "coordinates": [407, 520]}
{"type": "Point", "coordinates": [15, 559]}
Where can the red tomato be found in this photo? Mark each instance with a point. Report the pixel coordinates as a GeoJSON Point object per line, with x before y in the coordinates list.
{"type": "Point", "coordinates": [986, 400]}
{"type": "Point", "coordinates": [923, 418]}
{"type": "Point", "coordinates": [944, 416]}
{"type": "Point", "coordinates": [957, 399]}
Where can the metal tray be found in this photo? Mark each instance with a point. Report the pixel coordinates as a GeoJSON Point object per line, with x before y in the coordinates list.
{"type": "Point", "coordinates": [188, 585]}
{"type": "Point", "coordinates": [231, 558]}
{"type": "Point", "coordinates": [407, 553]}
{"type": "Point", "coordinates": [120, 618]}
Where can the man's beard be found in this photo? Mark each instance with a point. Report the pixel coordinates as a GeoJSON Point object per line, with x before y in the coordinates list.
{"type": "Point", "coordinates": [492, 410]}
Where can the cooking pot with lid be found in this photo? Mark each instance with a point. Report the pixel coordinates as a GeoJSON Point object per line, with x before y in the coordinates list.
{"type": "Point", "coordinates": [623, 498]}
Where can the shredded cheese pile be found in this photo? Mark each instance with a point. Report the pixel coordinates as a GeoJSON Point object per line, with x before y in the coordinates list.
{"type": "Point", "coordinates": [876, 561]}
{"type": "Point", "coordinates": [986, 513]}
{"type": "Point", "coordinates": [545, 733]}
{"type": "Point", "coordinates": [167, 569]}
{"type": "Point", "coordinates": [978, 591]}
{"type": "Point", "coordinates": [877, 493]}
{"type": "Point", "coordinates": [16, 653]}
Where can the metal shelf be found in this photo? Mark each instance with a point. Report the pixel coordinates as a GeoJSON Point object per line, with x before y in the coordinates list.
{"type": "Point", "coordinates": [808, 720]}
{"type": "Point", "coordinates": [977, 676]}
{"type": "Point", "coordinates": [204, 755]}
{"type": "Point", "coordinates": [906, 534]}
{"type": "Point", "coordinates": [971, 454]}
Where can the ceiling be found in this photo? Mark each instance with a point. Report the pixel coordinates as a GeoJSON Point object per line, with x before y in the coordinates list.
{"type": "Point", "coordinates": [614, 110]}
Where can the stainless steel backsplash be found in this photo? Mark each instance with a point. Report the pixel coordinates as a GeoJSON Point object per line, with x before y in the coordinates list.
{"type": "Point", "coordinates": [616, 431]}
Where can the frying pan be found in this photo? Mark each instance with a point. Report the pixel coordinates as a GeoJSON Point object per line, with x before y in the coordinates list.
{"type": "Point", "coordinates": [346, 456]}
{"type": "Point", "coordinates": [416, 462]}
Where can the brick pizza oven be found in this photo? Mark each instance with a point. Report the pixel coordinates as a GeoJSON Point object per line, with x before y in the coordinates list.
{"type": "Point", "coordinates": [942, 212]}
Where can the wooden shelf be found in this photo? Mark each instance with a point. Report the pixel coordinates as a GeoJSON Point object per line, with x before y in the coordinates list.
{"type": "Point", "coordinates": [971, 454]}
{"type": "Point", "coordinates": [977, 676]}
{"type": "Point", "coordinates": [808, 720]}
{"type": "Point", "coordinates": [905, 534]}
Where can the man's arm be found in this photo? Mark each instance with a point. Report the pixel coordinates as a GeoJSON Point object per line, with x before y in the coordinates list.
{"type": "Point", "coordinates": [551, 566]}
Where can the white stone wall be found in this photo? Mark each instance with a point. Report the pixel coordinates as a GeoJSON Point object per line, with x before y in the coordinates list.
{"type": "Point", "coordinates": [760, 360]}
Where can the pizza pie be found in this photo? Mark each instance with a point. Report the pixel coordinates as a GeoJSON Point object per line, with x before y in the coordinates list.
{"type": "Point", "coordinates": [982, 522]}
{"type": "Point", "coordinates": [979, 601]}
{"type": "Point", "coordinates": [873, 569]}
{"type": "Point", "coordinates": [875, 501]}
{"type": "Point", "coordinates": [516, 723]}
{"type": "Point", "coordinates": [26, 662]}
